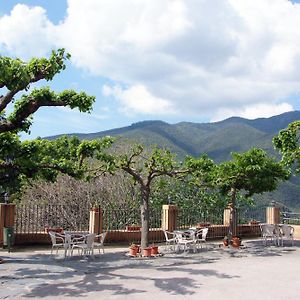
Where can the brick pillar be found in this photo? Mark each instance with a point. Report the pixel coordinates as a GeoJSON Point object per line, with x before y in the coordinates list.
{"type": "Point", "coordinates": [226, 216]}
{"type": "Point", "coordinates": [96, 220]}
{"type": "Point", "coordinates": [272, 215]}
{"type": "Point", "coordinates": [7, 217]}
{"type": "Point", "coordinates": [169, 217]}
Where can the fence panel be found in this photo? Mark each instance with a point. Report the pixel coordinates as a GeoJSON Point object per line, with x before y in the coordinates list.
{"type": "Point", "coordinates": [192, 217]}
{"type": "Point", "coordinates": [124, 225]}
{"type": "Point", "coordinates": [34, 218]}
{"type": "Point", "coordinates": [290, 218]}
{"type": "Point", "coordinates": [247, 214]}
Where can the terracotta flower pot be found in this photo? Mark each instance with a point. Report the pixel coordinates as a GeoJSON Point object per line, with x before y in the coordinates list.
{"type": "Point", "coordinates": [133, 251]}
{"type": "Point", "coordinates": [147, 252]}
{"type": "Point", "coordinates": [236, 242]}
{"type": "Point", "coordinates": [154, 250]}
{"type": "Point", "coordinates": [225, 243]}
{"type": "Point", "coordinates": [54, 229]}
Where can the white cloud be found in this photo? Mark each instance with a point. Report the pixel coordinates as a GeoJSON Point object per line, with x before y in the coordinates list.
{"type": "Point", "coordinates": [196, 58]}
{"type": "Point", "coordinates": [26, 32]}
{"type": "Point", "coordinates": [263, 110]}
{"type": "Point", "coordinates": [137, 99]}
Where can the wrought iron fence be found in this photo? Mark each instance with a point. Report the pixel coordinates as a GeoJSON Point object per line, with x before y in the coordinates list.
{"type": "Point", "coordinates": [191, 217]}
{"type": "Point", "coordinates": [247, 214]}
{"type": "Point", "coordinates": [34, 218]}
{"type": "Point", "coordinates": [290, 218]}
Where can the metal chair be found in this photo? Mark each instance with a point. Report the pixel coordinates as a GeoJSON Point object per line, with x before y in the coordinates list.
{"type": "Point", "coordinates": [100, 245]}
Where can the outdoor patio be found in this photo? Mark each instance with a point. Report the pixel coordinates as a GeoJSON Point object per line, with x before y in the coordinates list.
{"type": "Point", "coordinates": [252, 272]}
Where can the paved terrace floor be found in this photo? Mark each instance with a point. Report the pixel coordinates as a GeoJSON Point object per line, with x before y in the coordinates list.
{"type": "Point", "coordinates": [253, 272]}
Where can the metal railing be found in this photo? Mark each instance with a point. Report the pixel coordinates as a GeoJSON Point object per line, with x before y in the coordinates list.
{"type": "Point", "coordinates": [192, 217]}
{"type": "Point", "coordinates": [290, 218]}
{"type": "Point", "coordinates": [34, 218]}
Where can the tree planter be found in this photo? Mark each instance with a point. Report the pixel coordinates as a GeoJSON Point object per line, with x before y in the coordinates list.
{"type": "Point", "coordinates": [134, 250]}
{"type": "Point", "coordinates": [54, 229]}
{"type": "Point", "coordinates": [147, 252]}
{"type": "Point", "coordinates": [236, 242]}
{"type": "Point", "coordinates": [203, 225]}
{"type": "Point", "coordinates": [225, 243]}
{"type": "Point", "coordinates": [154, 250]}
{"type": "Point", "coordinates": [133, 228]}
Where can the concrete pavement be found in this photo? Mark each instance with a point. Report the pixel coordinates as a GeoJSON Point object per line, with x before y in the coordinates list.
{"type": "Point", "coordinates": [253, 272]}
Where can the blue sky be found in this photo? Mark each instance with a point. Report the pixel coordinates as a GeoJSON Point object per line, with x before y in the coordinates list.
{"type": "Point", "coordinates": [170, 60]}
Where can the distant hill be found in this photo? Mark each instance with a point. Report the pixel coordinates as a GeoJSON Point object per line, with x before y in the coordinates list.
{"type": "Point", "coordinates": [216, 139]}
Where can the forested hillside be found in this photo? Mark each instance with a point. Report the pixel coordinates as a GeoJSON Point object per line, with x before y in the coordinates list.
{"type": "Point", "coordinates": [217, 140]}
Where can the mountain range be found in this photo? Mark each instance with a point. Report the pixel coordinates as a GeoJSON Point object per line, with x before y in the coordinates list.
{"type": "Point", "coordinates": [216, 139]}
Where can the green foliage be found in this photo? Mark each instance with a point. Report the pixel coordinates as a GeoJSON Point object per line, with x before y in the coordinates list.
{"type": "Point", "coordinates": [287, 142]}
{"type": "Point", "coordinates": [252, 171]}
{"type": "Point", "coordinates": [39, 159]}
{"type": "Point", "coordinates": [16, 76]}
{"type": "Point", "coordinates": [44, 159]}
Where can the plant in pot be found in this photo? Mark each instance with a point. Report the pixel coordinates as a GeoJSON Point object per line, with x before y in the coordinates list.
{"type": "Point", "coordinates": [225, 241]}
{"type": "Point", "coordinates": [236, 241]}
{"type": "Point", "coordinates": [134, 250]}
{"type": "Point", "coordinates": [154, 250]}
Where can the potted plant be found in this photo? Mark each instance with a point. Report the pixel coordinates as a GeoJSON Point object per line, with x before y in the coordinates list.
{"type": "Point", "coordinates": [236, 241]}
{"type": "Point", "coordinates": [134, 250]}
{"type": "Point", "coordinates": [154, 250]}
{"type": "Point", "coordinates": [225, 241]}
{"type": "Point", "coordinates": [253, 222]}
{"type": "Point", "coordinates": [133, 227]}
{"type": "Point", "coordinates": [147, 252]}
{"type": "Point", "coordinates": [54, 229]}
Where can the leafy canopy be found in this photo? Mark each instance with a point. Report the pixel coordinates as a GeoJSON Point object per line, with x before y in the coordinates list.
{"type": "Point", "coordinates": [287, 142]}
{"type": "Point", "coordinates": [17, 75]}
{"type": "Point", "coordinates": [38, 158]}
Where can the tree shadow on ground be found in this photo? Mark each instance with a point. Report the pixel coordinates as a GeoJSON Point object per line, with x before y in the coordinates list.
{"type": "Point", "coordinates": [117, 274]}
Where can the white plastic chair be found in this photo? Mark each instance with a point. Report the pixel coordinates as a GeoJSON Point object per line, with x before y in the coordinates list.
{"type": "Point", "coordinates": [58, 242]}
{"type": "Point", "coordinates": [271, 232]}
{"type": "Point", "coordinates": [200, 237]}
{"type": "Point", "coordinates": [287, 233]}
{"type": "Point", "coordinates": [182, 240]}
{"type": "Point", "coordinates": [100, 245]}
{"type": "Point", "coordinates": [86, 247]}
{"type": "Point", "coordinates": [170, 239]}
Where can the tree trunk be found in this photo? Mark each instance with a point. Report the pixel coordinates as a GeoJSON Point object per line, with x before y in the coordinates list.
{"type": "Point", "coordinates": [145, 191]}
{"type": "Point", "coordinates": [233, 215]}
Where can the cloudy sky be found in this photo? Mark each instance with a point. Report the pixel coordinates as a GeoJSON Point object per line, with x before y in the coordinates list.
{"type": "Point", "coordinates": [171, 60]}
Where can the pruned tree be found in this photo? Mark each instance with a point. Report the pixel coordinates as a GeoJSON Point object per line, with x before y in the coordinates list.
{"type": "Point", "coordinates": [252, 172]}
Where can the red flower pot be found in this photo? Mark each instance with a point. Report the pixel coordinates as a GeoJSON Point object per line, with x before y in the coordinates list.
{"type": "Point", "coordinates": [236, 242]}
{"type": "Point", "coordinates": [147, 252]}
{"type": "Point", "coordinates": [154, 250]}
{"type": "Point", "coordinates": [133, 251]}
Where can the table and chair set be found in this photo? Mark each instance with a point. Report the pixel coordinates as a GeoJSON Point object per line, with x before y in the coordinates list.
{"type": "Point", "coordinates": [83, 242]}
{"type": "Point", "coordinates": [190, 239]}
{"type": "Point", "coordinates": [277, 233]}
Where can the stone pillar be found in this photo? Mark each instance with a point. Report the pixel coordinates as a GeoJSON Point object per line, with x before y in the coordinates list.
{"type": "Point", "coordinates": [226, 216]}
{"type": "Point", "coordinates": [272, 215]}
{"type": "Point", "coordinates": [96, 220]}
{"type": "Point", "coordinates": [7, 217]}
{"type": "Point", "coordinates": [169, 217]}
